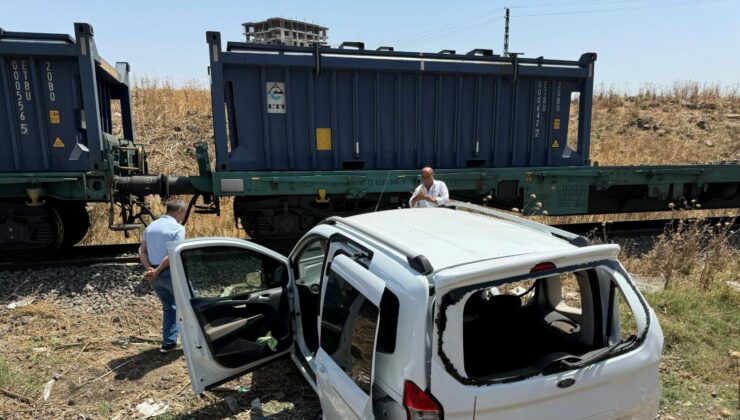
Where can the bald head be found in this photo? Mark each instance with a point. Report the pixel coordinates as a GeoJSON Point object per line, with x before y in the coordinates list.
{"type": "Point", "coordinates": [427, 176]}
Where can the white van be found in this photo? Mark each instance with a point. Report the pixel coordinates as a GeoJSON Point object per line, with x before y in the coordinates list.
{"type": "Point", "coordinates": [426, 314]}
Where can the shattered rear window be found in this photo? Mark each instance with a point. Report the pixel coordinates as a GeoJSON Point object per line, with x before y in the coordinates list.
{"type": "Point", "coordinates": [528, 326]}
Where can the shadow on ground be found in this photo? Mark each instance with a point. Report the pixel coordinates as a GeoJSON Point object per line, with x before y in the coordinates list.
{"type": "Point", "coordinates": [282, 391]}
{"type": "Point", "coordinates": [135, 366]}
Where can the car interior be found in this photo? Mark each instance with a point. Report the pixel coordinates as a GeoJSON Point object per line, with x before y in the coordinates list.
{"type": "Point", "coordinates": [308, 265]}
{"type": "Point", "coordinates": [529, 324]}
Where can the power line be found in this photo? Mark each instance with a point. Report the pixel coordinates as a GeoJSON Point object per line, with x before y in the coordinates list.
{"type": "Point", "coordinates": [437, 30]}
{"type": "Point", "coordinates": [654, 6]}
{"type": "Point", "coordinates": [470, 22]}
{"type": "Point", "coordinates": [445, 33]}
{"type": "Point", "coordinates": [576, 3]}
{"type": "Point", "coordinates": [443, 28]}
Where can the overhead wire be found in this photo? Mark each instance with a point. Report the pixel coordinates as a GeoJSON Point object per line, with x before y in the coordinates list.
{"type": "Point", "coordinates": [569, 3]}
{"type": "Point", "coordinates": [452, 26]}
{"type": "Point", "coordinates": [663, 5]}
{"type": "Point", "coordinates": [446, 33]}
{"type": "Point", "coordinates": [471, 22]}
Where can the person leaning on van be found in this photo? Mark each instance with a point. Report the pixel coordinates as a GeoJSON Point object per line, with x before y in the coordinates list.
{"type": "Point", "coordinates": [431, 192]}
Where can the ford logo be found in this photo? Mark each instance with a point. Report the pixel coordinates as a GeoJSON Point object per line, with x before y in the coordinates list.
{"type": "Point", "coordinates": [566, 383]}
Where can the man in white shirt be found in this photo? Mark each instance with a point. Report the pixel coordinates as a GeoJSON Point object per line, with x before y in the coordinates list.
{"type": "Point", "coordinates": [431, 192]}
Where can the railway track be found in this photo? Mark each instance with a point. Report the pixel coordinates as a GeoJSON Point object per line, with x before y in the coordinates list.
{"type": "Point", "coordinates": [82, 255]}
{"type": "Point", "coordinates": [634, 228]}
{"type": "Point", "coordinates": [127, 253]}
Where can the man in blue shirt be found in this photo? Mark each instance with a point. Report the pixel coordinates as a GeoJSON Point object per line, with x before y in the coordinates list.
{"type": "Point", "coordinates": [154, 258]}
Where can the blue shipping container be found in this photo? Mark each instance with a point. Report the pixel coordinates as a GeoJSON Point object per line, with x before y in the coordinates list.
{"type": "Point", "coordinates": [317, 108]}
{"type": "Point", "coordinates": [55, 102]}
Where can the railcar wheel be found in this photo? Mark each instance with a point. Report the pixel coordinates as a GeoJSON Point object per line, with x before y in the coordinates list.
{"type": "Point", "coordinates": [76, 222]}
{"type": "Point", "coordinates": [29, 233]}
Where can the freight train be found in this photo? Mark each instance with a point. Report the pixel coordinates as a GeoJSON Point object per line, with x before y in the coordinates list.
{"type": "Point", "coordinates": [303, 133]}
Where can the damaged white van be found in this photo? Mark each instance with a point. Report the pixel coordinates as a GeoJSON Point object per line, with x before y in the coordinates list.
{"type": "Point", "coordinates": [426, 314]}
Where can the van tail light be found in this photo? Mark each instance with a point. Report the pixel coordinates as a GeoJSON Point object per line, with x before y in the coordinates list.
{"type": "Point", "coordinates": [543, 267]}
{"type": "Point", "coordinates": [419, 404]}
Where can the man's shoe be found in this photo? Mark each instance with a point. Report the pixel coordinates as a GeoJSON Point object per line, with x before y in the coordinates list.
{"type": "Point", "coordinates": [166, 348]}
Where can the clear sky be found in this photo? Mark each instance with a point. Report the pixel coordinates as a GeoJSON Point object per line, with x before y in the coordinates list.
{"type": "Point", "coordinates": [638, 41]}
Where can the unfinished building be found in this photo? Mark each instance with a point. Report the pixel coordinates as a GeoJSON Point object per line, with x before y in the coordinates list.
{"type": "Point", "coordinates": [285, 32]}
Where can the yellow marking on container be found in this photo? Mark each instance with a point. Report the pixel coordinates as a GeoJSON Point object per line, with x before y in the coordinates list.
{"type": "Point", "coordinates": [58, 143]}
{"type": "Point", "coordinates": [323, 139]}
{"type": "Point", "coordinates": [528, 176]}
{"type": "Point", "coordinates": [555, 144]}
{"type": "Point", "coordinates": [556, 123]}
{"type": "Point", "coordinates": [54, 116]}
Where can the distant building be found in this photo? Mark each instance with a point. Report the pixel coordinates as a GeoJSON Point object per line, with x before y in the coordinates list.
{"type": "Point", "coordinates": [285, 31]}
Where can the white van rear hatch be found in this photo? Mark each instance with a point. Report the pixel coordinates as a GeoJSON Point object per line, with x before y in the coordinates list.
{"type": "Point", "coordinates": [559, 334]}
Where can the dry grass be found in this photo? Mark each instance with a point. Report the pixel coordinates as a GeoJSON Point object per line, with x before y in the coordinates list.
{"type": "Point", "coordinates": [693, 255]}
{"type": "Point", "coordinates": [199, 225]}
{"type": "Point", "coordinates": [685, 123]}
{"type": "Point", "coordinates": [168, 121]}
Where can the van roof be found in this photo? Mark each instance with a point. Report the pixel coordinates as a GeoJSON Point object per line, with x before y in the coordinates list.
{"type": "Point", "coordinates": [449, 237]}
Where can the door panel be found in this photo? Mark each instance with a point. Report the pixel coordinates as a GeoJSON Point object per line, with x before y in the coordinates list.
{"type": "Point", "coordinates": [232, 325]}
{"type": "Point", "coordinates": [307, 262]}
{"type": "Point", "coordinates": [340, 396]}
{"type": "Point", "coordinates": [233, 307]}
{"type": "Point", "coordinates": [348, 333]}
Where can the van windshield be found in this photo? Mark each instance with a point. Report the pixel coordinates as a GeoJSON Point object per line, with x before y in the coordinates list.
{"type": "Point", "coordinates": [539, 324]}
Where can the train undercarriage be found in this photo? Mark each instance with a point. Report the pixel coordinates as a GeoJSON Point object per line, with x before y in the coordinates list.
{"type": "Point", "coordinates": [278, 222]}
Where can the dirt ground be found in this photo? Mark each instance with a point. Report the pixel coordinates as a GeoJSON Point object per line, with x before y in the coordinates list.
{"type": "Point", "coordinates": [106, 360]}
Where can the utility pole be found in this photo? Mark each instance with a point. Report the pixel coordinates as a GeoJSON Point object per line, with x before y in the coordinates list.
{"type": "Point", "coordinates": [506, 34]}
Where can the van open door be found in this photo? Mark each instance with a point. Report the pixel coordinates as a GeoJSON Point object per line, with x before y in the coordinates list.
{"type": "Point", "coordinates": [232, 305]}
{"type": "Point", "coordinates": [348, 332]}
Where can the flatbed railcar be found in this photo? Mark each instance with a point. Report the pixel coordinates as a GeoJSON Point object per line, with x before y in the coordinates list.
{"type": "Point", "coordinates": [304, 133]}
{"type": "Point", "coordinates": [59, 104]}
